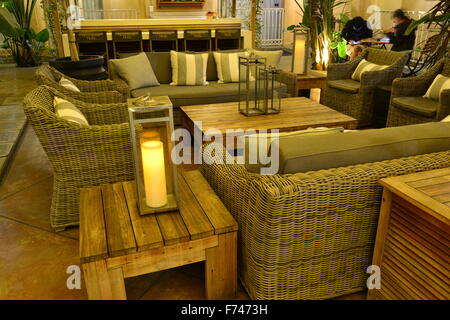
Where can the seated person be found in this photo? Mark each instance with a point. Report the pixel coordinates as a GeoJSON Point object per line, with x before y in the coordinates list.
{"type": "Point", "coordinates": [354, 31]}
{"type": "Point", "coordinates": [400, 41]}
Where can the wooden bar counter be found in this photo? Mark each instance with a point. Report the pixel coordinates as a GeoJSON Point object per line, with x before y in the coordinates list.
{"type": "Point", "coordinates": [145, 25]}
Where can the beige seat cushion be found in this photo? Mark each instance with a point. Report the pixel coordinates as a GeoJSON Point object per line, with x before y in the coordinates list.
{"type": "Point", "coordinates": [311, 153]}
{"type": "Point", "coordinates": [348, 85]}
{"type": "Point", "coordinates": [253, 143]}
{"type": "Point", "coordinates": [214, 92]}
{"type": "Point", "coordinates": [136, 70]}
{"type": "Point", "coordinates": [417, 105]}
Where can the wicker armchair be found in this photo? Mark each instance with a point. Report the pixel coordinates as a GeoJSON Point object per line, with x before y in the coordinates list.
{"type": "Point", "coordinates": [80, 156]}
{"type": "Point", "coordinates": [354, 98]}
{"type": "Point", "coordinates": [98, 91]}
{"type": "Point", "coordinates": [308, 235]}
{"type": "Point", "coordinates": [407, 103]}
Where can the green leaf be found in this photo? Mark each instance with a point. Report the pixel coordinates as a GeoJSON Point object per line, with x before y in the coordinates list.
{"type": "Point", "coordinates": [43, 36]}
{"type": "Point", "coordinates": [344, 18]}
{"type": "Point", "coordinates": [8, 24]}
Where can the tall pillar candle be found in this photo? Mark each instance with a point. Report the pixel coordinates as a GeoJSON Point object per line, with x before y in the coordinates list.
{"type": "Point", "coordinates": [154, 173]}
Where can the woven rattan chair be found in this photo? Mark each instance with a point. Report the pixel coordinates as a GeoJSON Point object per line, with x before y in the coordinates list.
{"type": "Point", "coordinates": [407, 103]}
{"type": "Point", "coordinates": [97, 91]}
{"type": "Point", "coordinates": [308, 235]}
{"type": "Point", "coordinates": [354, 98]}
{"type": "Point", "coordinates": [80, 156]}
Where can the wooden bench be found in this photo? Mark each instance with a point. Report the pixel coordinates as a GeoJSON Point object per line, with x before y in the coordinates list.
{"type": "Point", "coordinates": [117, 243]}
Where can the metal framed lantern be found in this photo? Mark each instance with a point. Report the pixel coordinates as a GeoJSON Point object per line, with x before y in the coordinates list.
{"type": "Point", "coordinates": [272, 89]}
{"type": "Point", "coordinates": [251, 85]}
{"type": "Point", "coordinates": [300, 50]}
{"type": "Point", "coordinates": [151, 126]}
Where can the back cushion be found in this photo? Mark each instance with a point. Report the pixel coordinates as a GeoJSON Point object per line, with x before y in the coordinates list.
{"type": "Point", "coordinates": [161, 65]}
{"type": "Point", "coordinates": [311, 153]}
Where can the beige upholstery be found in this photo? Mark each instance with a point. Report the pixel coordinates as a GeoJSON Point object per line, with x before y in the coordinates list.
{"type": "Point", "coordinates": [347, 85]}
{"type": "Point", "coordinates": [310, 153]}
{"type": "Point", "coordinates": [192, 95]}
{"type": "Point", "coordinates": [418, 105]}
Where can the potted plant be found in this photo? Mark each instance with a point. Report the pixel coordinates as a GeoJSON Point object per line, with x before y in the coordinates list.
{"type": "Point", "coordinates": [84, 67]}
{"type": "Point", "coordinates": [24, 43]}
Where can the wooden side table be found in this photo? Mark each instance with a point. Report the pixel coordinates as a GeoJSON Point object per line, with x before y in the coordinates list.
{"type": "Point", "coordinates": [412, 246]}
{"type": "Point", "coordinates": [311, 80]}
{"type": "Point", "coordinates": [117, 243]}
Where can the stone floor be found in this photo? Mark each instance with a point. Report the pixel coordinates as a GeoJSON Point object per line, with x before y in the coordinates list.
{"type": "Point", "coordinates": [33, 258]}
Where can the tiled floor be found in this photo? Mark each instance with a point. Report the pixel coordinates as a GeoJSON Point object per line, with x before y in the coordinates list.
{"type": "Point", "coordinates": [33, 258]}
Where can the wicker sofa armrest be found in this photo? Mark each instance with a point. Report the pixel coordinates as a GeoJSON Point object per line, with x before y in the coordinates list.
{"type": "Point", "coordinates": [444, 105]}
{"type": "Point", "coordinates": [289, 79]}
{"type": "Point", "coordinates": [415, 86]}
{"type": "Point", "coordinates": [342, 71]}
{"type": "Point", "coordinates": [93, 86]}
{"type": "Point", "coordinates": [94, 97]}
{"type": "Point", "coordinates": [122, 87]}
{"type": "Point", "coordinates": [103, 150]}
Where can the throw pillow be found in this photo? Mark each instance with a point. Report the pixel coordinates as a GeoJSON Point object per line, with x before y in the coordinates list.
{"type": "Point", "coordinates": [188, 69]}
{"type": "Point", "coordinates": [69, 85]}
{"type": "Point", "coordinates": [228, 67]}
{"type": "Point", "coordinates": [365, 66]}
{"type": "Point", "coordinates": [273, 57]}
{"type": "Point", "coordinates": [439, 84]}
{"type": "Point", "coordinates": [67, 111]}
{"type": "Point", "coordinates": [136, 71]}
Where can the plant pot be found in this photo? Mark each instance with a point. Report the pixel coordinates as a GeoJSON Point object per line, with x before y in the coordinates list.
{"type": "Point", "coordinates": [88, 68]}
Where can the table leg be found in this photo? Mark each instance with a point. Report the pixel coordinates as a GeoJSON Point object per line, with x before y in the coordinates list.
{"type": "Point", "coordinates": [103, 284]}
{"type": "Point", "coordinates": [221, 268]}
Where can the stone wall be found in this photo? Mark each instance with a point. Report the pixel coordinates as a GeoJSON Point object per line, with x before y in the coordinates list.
{"type": "Point", "coordinates": [5, 57]}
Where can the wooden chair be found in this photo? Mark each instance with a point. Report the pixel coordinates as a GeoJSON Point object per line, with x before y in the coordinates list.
{"type": "Point", "coordinates": [126, 42]}
{"type": "Point", "coordinates": [228, 39]}
{"type": "Point", "coordinates": [92, 43]}
{"type": "Point", "coordinates": [163, 40]}
{"type": "Point", "coordinates": [197, 40]}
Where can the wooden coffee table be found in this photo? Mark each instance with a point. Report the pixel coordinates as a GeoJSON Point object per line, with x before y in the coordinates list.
{"type": "Point", "coordinates": [296, 114]}
{"type": "Point", "coordinates": [117, 243]}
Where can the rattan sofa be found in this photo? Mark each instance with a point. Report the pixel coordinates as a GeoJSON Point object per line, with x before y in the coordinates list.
{"type": "Point", "coordinates": [80, 156]}
{"type": "Point", "coordinates": [354, 98]}
{"type": "Point", "coordinates": [310, 235]}
{"type": "Point", "coordinates": [97, 91]}
{"type": "Point", "coordinates": [407, 104]}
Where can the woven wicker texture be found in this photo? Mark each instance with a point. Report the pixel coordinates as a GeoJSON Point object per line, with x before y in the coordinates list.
{"type": "Point", "coordinates": [98, 91]}
{"type": "Point", "coordinates": [80, 156]}
{"type": "Point", "coordinates": [361, 105]}
{"type": "Point", "coordinates": [417, 87]}
{"type": "Point", "coordinates": [308, 235]}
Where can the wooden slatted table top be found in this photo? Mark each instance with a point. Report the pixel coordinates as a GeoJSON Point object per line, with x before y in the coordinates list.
{"type": "Point", "coordinates": [429, 191]}
{"type": "Point", "coordinates": [296, 114]}
{"type": "Point", "coordinates": [110, 224]}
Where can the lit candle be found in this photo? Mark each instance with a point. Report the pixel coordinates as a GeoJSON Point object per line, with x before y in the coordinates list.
{"type": "Point", "coordinates": [154, 173]}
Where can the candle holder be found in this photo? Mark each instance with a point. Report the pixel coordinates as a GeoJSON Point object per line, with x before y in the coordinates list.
{"type": "Point", "coordinates": [251, 85]}
{"type": "Point", "coordinates": [151, 126]}
{"type": "Point", "coordinates": [272, 89]}
{"type": "Point", "coordinates": [300, 50]}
